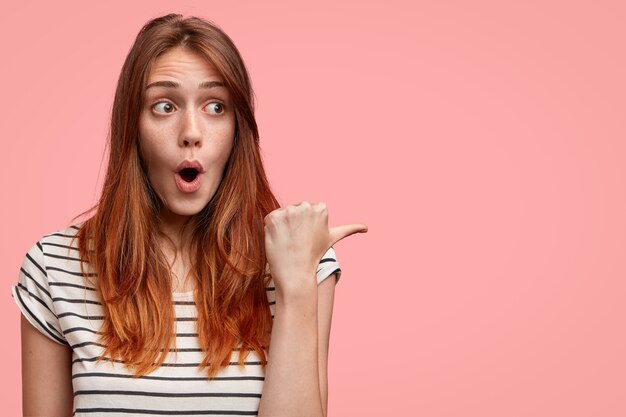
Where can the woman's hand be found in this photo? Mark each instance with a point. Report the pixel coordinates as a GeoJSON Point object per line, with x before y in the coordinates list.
{"type": "Point", "coordinates": [296, 238]}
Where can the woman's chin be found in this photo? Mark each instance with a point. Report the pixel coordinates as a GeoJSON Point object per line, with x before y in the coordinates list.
{"type": "Point", "coordinates": [186, 208]}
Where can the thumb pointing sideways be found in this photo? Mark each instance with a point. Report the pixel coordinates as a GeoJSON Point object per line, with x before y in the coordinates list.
{"type": "Point", "coordinates": [339, 232]}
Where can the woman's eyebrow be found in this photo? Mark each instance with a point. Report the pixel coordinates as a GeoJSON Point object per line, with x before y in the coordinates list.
{"type": "Point", "coordinates": [173, 84]}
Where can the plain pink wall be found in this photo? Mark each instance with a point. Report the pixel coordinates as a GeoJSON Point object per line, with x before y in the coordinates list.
{"type": "Point", "coordinates": [483, 142]}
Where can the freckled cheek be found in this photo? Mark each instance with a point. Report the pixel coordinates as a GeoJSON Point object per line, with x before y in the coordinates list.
{"type": "Point", "coordinates": [155, 156]}
{"type": "Point", "coordinates": [217, 157]}
{"type": "Point", "coordinates": [219, 140]}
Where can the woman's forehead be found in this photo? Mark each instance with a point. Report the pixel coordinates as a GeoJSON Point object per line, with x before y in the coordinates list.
{"type": "Point", "coordinates": [182, 63]}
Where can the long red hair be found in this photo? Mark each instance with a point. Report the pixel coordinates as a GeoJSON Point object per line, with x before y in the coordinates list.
{"type": "Point", "coordinates": [120, 240]}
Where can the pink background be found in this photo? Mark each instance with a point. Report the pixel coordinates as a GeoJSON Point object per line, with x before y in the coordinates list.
{"type": "Point", "coordinates": [483, 143]}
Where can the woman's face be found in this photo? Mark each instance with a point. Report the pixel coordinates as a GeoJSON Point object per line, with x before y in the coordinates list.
{"type": "Point", "coordinates": [186, 131]}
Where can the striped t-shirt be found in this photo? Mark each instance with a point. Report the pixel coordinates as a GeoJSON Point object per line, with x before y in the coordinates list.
{"type": "Point", "coordinates": [56, 299]}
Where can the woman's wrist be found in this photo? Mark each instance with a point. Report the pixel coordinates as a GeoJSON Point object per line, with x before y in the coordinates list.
{"type": "Point", "coordinates": [297, 289]}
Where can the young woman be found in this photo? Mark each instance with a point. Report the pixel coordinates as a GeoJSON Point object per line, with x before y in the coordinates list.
{"type": "Point", "coordinates": [166, 299]}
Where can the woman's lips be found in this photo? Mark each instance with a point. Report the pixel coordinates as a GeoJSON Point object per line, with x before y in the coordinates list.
{"type": "Point", "coordinates": [187, 187]}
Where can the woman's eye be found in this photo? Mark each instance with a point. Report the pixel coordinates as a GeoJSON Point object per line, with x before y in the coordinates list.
{"type": "Point", "coordinates": [163, 107]}
{"type": "Point", "coordinates": [215, 108]}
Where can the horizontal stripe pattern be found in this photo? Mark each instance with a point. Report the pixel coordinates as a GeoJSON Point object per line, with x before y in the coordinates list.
{"type": "Point", "coordinates": [64, 305]}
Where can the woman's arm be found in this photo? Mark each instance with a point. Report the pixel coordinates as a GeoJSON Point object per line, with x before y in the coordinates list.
{"type": "Point", "coordinates": [296, 237]}
{"type": "Point", "coordinates": [296, 382]}
{"type": "Point", "coordinates": [325, 301]}
{"type": "Point", "coordinates": [46, 374]}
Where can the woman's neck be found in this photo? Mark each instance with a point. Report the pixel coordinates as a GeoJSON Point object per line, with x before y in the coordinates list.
{"type": "Point", "coordinates": [171, 225]}
{"type": "Point", "coordinates": [178, 255]}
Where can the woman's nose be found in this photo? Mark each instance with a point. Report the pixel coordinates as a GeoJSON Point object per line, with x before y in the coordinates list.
{"type": "Point", "coordinates": [191, 134]}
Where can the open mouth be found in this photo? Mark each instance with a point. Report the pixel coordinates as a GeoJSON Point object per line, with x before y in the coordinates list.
{"type": "Point", "coordinates": [188, 174]}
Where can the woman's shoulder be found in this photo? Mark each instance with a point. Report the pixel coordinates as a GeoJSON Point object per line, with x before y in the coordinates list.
{"type": "Point", "coordinates": [58, 250]}
{"type": "Point", "coordinates": [67, 232]}
{"type": "Point", "coordinates": [64, 238]}
{"type": "Point", "coordinates": [49, 272]}
{"type": "Point", "coordinates": [60, 240]}
{"type": "Point", "coordinates": [57, 255]}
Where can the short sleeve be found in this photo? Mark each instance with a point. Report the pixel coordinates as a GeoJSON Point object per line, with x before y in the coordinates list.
{"type": "Point", "coordinates": [32, 295]}
{"type": "Point", "coordinates": [327, 266]}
